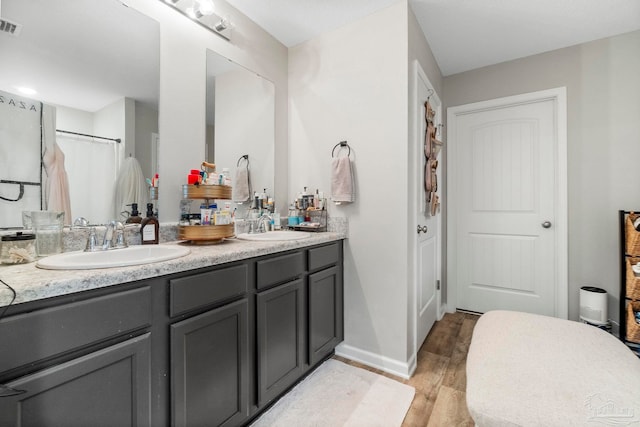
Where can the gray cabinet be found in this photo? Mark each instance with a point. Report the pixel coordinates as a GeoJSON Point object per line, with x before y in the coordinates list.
{"type": "Point", "coordinates": [325, 296]}
{"type": "Point", "coordinates": [325, 313]}
{"type": "Point", "coordinates": [207, 347]}
{"type": "Point", "coordinates": [280, 334]}
{"type": "Point", "coordinates": [108, 387]}
{"type": "Point", "coordinates": [209, 367]}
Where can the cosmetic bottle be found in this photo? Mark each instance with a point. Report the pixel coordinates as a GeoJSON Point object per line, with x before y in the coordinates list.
{"type": "Point", "coordinates": [135, 217]}
{"type": "Point", "coordinates": [150, 227]}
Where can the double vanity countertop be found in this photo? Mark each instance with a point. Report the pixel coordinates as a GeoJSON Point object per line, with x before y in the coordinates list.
{"type": "Point", "coordinates": [32, 283]}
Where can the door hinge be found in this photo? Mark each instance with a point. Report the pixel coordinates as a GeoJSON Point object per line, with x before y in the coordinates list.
{"type": "Point", "coordinates": [438, 285]}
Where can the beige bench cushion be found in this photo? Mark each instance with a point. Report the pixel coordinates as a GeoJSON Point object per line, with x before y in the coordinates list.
{"type": "Point", "coordinates": [530, 370]}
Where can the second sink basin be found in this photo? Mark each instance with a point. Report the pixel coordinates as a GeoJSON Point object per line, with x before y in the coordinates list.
{"type": "Point", "coordinates": [275, 236]}
{"type": "Point", "coordinates": [133, 255]}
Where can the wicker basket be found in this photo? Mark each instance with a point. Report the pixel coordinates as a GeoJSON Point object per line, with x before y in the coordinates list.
{"type": "Point", "coordinates": [633, 281]}
{"type": "Point", "coordinates": [632, 236]}
{"type": "Point", "coordinates": [633, 328]}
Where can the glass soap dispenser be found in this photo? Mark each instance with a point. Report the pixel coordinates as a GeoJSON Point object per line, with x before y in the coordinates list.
{"type": "Point", "coordinates": [150, 227]}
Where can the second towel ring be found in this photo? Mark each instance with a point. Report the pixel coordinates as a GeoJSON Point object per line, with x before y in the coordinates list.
{"type": "Point", "coordinates": [244, 157]}
{"type": "Point", "coordinates": [341, 144]}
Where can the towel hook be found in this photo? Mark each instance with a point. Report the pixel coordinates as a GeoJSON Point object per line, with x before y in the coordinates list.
{"type": "Point", "coordinates": [245, 157]}
{"type": "Point", "coordinates": [341, 144]}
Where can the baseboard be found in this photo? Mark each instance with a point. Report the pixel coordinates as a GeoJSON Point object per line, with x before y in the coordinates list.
{"type": "Point", "coordinates": [383, 363]}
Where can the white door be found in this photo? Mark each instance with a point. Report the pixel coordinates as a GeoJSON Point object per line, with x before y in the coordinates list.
{"type": "Point", "coordinates": [509, 215]}
{"type": "Point", "coordinates": [427, 227]}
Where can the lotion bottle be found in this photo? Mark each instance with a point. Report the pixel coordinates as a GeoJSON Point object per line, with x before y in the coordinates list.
{"type": "Point", "coordinates": [150, 227]}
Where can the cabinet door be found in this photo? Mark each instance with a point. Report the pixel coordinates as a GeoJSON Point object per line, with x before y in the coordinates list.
{"type": "Point", "coordinates": [280, 331]}
{"type": "Point", "coordinates": [209, 367]}
{"type": "Point", "coordinates": [325, 313]}
{"type": "Point", "coordinates": [110, 387]}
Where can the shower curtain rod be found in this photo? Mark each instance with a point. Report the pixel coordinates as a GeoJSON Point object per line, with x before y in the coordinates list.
{"type": "Point", "coordinates": [118, 140]}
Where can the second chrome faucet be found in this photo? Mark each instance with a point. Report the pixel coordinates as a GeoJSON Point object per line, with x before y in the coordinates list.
{"type": "Point", "coordinates": [115, 240]}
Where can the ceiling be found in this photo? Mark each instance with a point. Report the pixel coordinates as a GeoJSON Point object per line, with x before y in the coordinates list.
{"type": "Point", "coordinates": [81, 54]}
{"type": "Point", "coordinates": [94, 49]}
{"type": "Point", "coordinates": [463, 34]}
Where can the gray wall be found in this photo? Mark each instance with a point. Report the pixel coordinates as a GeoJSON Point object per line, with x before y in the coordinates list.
{"type": "Point", "coordinates": [603, 96]}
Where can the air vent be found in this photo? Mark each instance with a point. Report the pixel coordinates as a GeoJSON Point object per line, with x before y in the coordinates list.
{"type": "Point", "coordinates": [11, 28]}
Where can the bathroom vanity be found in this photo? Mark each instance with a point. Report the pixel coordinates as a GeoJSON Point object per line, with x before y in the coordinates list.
{"type": "Point", "coordinates": [184, 346]}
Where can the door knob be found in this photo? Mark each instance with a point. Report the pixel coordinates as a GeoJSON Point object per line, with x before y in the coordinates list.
{"type": "Point", "coordinates": [546, 224]}
{"type": "Point", "coordinates": [422, 229]}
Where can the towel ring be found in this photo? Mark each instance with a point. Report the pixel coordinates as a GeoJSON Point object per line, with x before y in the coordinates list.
{"type": "Point", "coordinates": [245, 157]}
{"type": "Point", "coordinates": [341, 144]}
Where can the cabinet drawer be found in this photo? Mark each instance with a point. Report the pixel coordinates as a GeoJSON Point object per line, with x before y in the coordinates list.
{"type": "Point", "coordinates": [324, 256]}
{"type": "Point", "coordinates": [279, 269]}
{"type": "Point", "coordinates": [208, 288]}
{"type": "Point", "coordinates": [53, 331]}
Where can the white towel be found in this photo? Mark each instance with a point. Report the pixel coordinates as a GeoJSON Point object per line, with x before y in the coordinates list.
{"type": "Point", "coordinates": [131, 187]}
{"type": "Point", "coordinates": [342, 184]}
{"type": "Point", "coordinates": [241, 188]}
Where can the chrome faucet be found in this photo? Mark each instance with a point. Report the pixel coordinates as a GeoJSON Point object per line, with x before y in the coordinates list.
{"type": "Point", "coordinates": [260, 223]}
{"type": "Point", "coordinates": [116, 241]}
{"type": "Point", "coordinates": [117, 236]}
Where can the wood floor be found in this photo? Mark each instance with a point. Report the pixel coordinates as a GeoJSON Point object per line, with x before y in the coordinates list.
{"type": "Point", "coordinates": [440, 377]}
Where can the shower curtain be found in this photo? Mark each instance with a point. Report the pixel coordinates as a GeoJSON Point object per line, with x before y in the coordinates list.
{"type": "Point", "coordinates": [92, 166]}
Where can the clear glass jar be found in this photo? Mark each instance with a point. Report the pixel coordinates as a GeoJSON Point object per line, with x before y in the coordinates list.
{"type": "Point", "coordinates": [18, 248]}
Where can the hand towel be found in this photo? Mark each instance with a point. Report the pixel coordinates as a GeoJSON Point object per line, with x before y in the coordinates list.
{"type": "Point", "coordinates": [342, 188]}
{"type": "Point", "coordinates": [131, 187]}
{"type": "Point", "coordinates": [241, 188]}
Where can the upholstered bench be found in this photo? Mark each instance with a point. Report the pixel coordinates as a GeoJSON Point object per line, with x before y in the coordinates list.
{"type": "Point", "coordinates": [531, 370]}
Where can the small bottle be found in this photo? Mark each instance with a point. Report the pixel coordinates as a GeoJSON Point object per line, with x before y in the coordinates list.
{"type": "Point", "coordinates": [226, 180]}
{"type": "Point", "coordinates": [150, 227]}
{"type": "Point", "coordinates": [135, 217]}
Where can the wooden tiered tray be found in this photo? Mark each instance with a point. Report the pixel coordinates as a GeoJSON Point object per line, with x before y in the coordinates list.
{"type": "Point", "coordinates": [206, 234]}
{"type": "Point", "coordinates": [206, 192]}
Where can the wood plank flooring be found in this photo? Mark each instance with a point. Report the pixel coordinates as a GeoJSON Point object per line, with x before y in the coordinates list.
{"type": "Point", "coordinates": [440, 377]}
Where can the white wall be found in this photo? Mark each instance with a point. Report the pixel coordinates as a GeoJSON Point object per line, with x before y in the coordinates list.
{"type": "Point", "coordinates": [603, 92]}
{"type": "Point", "coordinates": [351, 84]}
{"type": "Point", "coordinates": [74, 120]}
{"type": "Point", "coordinates": [183, 46]}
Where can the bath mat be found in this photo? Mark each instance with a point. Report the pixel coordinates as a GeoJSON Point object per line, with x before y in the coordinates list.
{"type": "Point", "coordinates": [337, 394]}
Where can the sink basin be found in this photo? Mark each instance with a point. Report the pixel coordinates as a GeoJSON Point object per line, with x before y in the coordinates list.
{"type": "Point", "coordinates": [275, 236]}
{"type": "Point", "coordinates": [133, 255]}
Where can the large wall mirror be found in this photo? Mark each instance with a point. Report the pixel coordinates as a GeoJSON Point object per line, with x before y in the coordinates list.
{"type": "Point", "coordinates": [240, 121]}
{"type": "Point", "coordinates": [95, 67]}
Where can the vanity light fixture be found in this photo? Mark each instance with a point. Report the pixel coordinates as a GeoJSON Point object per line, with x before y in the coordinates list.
{"type": "Point", "coordinates": [203, 13]}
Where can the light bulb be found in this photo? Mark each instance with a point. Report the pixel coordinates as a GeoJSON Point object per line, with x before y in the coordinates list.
{"type": "Point", "coordinates": [192, 13]}
{"type": "Point", "coordinates": [222, 25]}
{"type": "Point", "coordinates": [205, 7]}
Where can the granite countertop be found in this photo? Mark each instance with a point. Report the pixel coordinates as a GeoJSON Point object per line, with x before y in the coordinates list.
{"type": "Point", "coordinates": [32, 283]}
